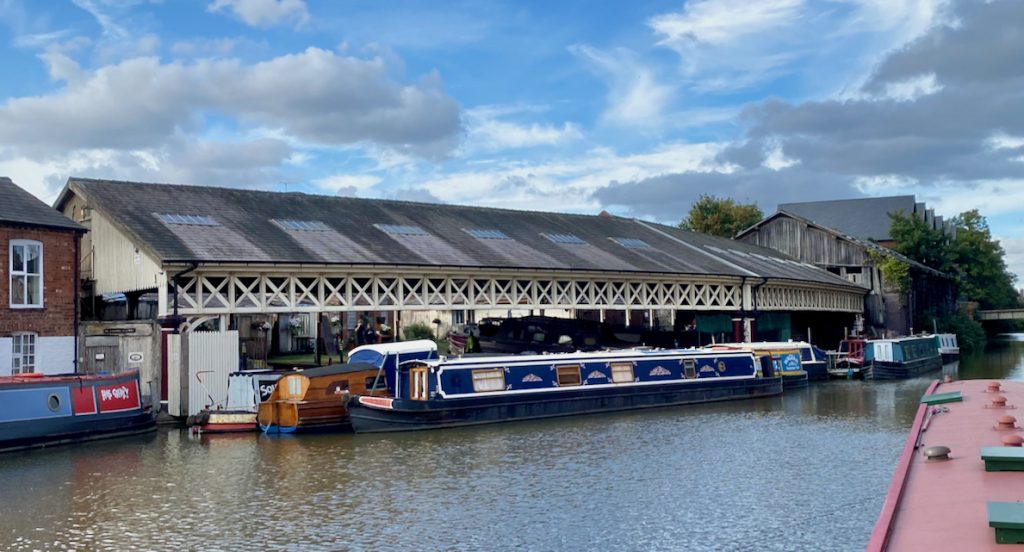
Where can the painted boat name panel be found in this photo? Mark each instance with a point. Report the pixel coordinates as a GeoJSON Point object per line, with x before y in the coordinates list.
{"type": "Point", "coordinates": [118, 397]}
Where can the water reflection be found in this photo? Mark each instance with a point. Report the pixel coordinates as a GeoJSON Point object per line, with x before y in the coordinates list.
{"type": "Point", "coordinates": [805, 471]}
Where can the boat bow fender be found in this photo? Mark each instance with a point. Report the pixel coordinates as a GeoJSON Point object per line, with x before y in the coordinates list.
{"type": "Point", "coordinates": [377, 402]}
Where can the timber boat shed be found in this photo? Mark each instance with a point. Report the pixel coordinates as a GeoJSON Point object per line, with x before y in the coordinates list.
{"type": "Point", "coordinates": [852, 247]}
{"type": "Point", "coordinates": [237, 252]}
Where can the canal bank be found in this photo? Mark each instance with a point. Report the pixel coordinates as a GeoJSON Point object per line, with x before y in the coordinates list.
{"type": "Point", "coordinates": [805, 471]}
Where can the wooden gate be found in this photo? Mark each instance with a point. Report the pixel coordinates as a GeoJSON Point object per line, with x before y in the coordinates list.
{"type": "Point", "coordinates": [102, 355]}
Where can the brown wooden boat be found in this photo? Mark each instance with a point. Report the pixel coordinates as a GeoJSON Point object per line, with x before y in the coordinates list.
{"type": "Point", "coordinates": [316, 399]}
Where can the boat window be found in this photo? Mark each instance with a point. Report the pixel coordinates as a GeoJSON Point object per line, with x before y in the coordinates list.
{"type": "Point", "coordinates": [569, 375]}
{"type": "Point", "coordinates": [295, 387]}
{"type": "Point", "coordinates": [622, 372]}
{"type": "Point", "coordinates": [381, 383]}
{"type": "Point", "coordinates": [488, 380]}
{"type": "Point", "coordinates": [418, 385]}
{"type": "Point", "coordinates": [690, 367]}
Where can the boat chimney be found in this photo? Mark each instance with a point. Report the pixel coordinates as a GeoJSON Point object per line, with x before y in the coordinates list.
{"type": "Point", "coordinates": [1012, 440]}
{"type": "Point", "coordinates": [1006, 422]}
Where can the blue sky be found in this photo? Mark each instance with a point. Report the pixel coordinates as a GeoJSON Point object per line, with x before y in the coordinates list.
{"type": "Point", "coordinates": [634, 107]}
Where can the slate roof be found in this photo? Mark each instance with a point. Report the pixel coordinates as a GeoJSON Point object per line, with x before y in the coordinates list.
{"type": "Point", "coordinates": [864, 219]}
{"type": "Point", "coordinates": [256, 227]}
{"type": "Point", "coordinates": [18, 206]}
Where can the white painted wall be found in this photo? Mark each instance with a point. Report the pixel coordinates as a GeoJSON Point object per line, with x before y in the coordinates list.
{"type": "Point", "coordinates": [5, 356]}
{"type": "Point", "coordinates": [54, 355]}
{"type": "Point", "coordinates": [119, 266]}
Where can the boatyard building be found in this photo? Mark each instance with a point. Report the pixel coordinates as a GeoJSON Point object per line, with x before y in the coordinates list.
{"type": "Point", "coordinates": [294, 272]}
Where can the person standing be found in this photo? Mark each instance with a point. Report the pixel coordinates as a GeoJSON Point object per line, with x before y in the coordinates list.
{"type": "Point", "coordinates": [360, 332]}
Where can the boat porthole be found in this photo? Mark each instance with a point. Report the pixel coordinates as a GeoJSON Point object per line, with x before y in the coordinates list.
{"type": "Point", "coordinates": [53, 403]}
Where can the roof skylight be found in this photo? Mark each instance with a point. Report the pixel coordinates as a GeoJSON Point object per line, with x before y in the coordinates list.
{"type": "Point", "coordinates": [401, 230]}
{"type": "Point", "coordinates": [302, 225]}
{"type": "Point", "coordinates": [564, 239]}
{"type": "Point", "coordinates": [632, 243]}
{"type": "Point", "coordinates": [187, 220]}
{"type": "Point", "coordinates": [485, 234]}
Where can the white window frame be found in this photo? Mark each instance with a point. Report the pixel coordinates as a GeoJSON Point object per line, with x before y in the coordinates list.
{"type": "Point", "coordinates": [622, 372]}
{"type": "Point", "coordinates": [12, 274]}
{"type": "Point", "coordinates": [488, 380]}
{"type": "Point", "coordinates": [19, 341]}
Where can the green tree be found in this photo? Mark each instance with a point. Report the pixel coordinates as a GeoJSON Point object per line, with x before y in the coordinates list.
{"type": "Point", "coordinates": [721, 216]}
{"type": "Point", "coordinates": [916, 239]}
{"type": "Point", "coordinates": [973, 258]}
{"type": "Point", "coordinates": [980, 264]}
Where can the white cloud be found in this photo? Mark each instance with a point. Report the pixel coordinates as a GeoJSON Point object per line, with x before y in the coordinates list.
{"type": "Point", "coordinates": [487, 132]}
{"type": "Point", "coordinates": [883, 184]}
{"type": "Point", "coordinates": [775, 159]}
{"type": "Point", "coordinates": [564, 185]}
{"type": "Point", "coordinates": [139, 103]}
{"type": "Point", "coordinates": [1001, 140]}
{"type": "Point", "coordinates": [730, 45]}
{"type": "Point", "coordinates": [909, 18]}
{"type": "Point", "coordinates": [723, 21]}
{"type": "Point", "coordinates": [635, 96]}
{"type": "Point", "coordinates": [1014, 248]}
{"type": "Point", "coordinates": [183, 159]}
{"type": "Point", "coordinates": [265, 13]}
{"type": "Point", "coordinates": [350, 183]}
{"type": "Point", "coordinates": [911, 89]}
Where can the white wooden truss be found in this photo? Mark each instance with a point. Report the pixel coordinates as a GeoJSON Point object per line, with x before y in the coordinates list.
{"type": "Point", "coordinates": [208, 292]}
{"type": "Point", "coordinates": [775, 297]}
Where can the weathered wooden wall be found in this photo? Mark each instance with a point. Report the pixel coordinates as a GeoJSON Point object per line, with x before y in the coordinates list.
{"type": "Point", "coordinates": [809, 244]}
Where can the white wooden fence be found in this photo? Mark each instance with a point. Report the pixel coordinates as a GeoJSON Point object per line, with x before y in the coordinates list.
{"type": "Point", "coordinates": [211, 357]}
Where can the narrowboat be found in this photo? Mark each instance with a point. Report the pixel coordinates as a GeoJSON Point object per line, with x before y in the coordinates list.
{"type": "Point", "coordinates": [38, 410]}
{"type": "Point", "coordinates": [948, 347]}
{"type": "Point", "coordinates": [450, 392]}
{"type": "Point", "coordinates": [316, 399]}
{"type": "Point", "coordinates": [786, 357]}
{"type": "Point", "coordinates": [246, 390]}
{"type": "Point", "coordinates": [959, 480]}
{"type": "Point", "coordinates": [901, 358]}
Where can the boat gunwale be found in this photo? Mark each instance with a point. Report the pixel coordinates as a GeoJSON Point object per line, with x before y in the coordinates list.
{"type": "Point", "coordinates": [883, 527]}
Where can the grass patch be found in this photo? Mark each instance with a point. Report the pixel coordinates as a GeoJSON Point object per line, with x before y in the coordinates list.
{"type": "Point", "coordinates": [307, 359]}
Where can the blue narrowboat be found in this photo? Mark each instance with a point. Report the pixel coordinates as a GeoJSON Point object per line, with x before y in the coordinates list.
{"type": "Point", "coordinates": [787, 357]}
{"type": "Point", "coordinates": [38, 410]}
{"type": "Point", "coordinates": [900, 358]}
{"type": "Point", "coordinates": [441, 393]}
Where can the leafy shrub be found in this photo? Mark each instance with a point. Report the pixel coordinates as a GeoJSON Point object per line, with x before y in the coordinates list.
{"type": "Point", "coordinates": [417, 331]}
{"type": "Point", "coordinates": [970, 335]}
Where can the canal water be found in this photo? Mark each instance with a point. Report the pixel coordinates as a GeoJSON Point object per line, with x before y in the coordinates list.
{"type": "Point", "coordinates": [806, 471]}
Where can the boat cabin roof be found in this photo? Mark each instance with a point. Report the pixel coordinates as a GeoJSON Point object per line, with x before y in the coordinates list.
{"type": "Point", "coordinates": [333, 369]}
{"type": "Point", "coordinates": [399, 347]}
{"type": "Point", "coordinates": [938, 504]}
{"type": "Point", "coordinates": [767, 345]}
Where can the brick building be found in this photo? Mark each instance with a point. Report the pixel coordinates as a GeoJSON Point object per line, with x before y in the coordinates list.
{"type": "Point", "coordinates": [39, 251]}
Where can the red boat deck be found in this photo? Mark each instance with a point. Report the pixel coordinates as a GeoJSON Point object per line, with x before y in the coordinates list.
{"type": "Point", "coordinates": [942, 504]}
